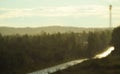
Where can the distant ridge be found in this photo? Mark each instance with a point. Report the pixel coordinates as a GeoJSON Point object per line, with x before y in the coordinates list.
{"type": "Point", "coordinates": [48, 29]}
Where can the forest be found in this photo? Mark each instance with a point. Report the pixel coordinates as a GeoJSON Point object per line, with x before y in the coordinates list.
{"type": "Point", "coordinates": [107, 65]}
{"type": "Point", "coordinates": [21, 54]}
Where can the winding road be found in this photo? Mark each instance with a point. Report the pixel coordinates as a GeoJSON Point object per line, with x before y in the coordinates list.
{"type": "Point", "coordinates": [72, 63]}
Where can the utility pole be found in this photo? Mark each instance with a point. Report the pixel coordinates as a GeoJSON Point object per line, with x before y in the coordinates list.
{"type": "Point", "coordinates": [110, 16]}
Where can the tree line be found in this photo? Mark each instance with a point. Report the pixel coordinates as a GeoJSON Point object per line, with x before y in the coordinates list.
{"type": "Point", "coordinates": [20, 54]}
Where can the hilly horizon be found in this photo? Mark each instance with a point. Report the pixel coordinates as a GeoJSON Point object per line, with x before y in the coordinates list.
{"type": "Point", "coordinates": [47, 29]}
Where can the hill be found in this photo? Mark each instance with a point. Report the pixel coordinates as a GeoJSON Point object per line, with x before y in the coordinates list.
{"type": "Point", "coordinates": [49, 29]}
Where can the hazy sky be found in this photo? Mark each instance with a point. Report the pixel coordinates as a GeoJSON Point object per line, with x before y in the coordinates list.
{"type": "Point", "coordinates": [78, 13]}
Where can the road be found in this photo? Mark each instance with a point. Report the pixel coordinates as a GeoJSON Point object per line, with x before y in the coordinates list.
{"type": "Point", "coordinates": [71, 63]}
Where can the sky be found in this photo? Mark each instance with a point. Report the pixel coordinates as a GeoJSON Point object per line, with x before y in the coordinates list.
{"type": "Point", "coordinates": [77, 13]}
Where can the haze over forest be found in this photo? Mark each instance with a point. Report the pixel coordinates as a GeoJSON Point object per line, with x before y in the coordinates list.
{"type": "Point", "coordinates": [40, 34]}
{"type": "Point", "coordinates": [49, 29]}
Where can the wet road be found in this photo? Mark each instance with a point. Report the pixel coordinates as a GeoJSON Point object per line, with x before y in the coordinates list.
{"type": "Point", "coordinates": [71, 63]}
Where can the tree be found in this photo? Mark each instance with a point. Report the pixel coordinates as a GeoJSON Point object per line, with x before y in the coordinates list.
{"type": "Point", "coordinates": [116, 40]}
{"type": "Point", "coordinates": [97, 42]}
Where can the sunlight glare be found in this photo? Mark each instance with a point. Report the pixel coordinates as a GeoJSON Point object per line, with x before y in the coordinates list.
{"type": "Point", "coordinates": [104, 54]}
